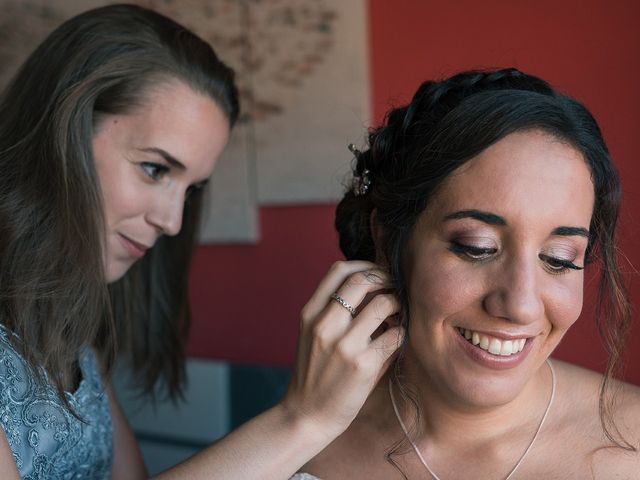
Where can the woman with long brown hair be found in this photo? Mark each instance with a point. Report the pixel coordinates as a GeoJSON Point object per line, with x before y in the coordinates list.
{"type": "Point", "coordinates": [486, 197]}
{"type": "Point", "coordinates": [108, 133]}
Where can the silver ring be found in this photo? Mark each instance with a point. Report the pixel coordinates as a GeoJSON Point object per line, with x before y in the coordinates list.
{"type": "Point", "coordinates": [344, 303]}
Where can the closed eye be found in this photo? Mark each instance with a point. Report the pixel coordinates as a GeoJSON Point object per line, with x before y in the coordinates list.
{"type": "Point", "coordinates": [558, 265]}
{"type": "Point", "coordinates": [471, 252]}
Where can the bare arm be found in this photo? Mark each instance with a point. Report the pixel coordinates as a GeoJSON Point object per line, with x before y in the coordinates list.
{"type": "Point", "coordinates": [127, 459]}
{"type": "Point", "coordinates": [338, 364]}
{"type": "Point", "coordinates": [271, 446]}
{"type": "Point", "coordinates": [8, 469]}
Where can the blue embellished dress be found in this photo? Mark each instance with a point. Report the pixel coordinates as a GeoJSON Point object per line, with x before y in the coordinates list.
{"type": "Point", "coordinates": [47, 441]}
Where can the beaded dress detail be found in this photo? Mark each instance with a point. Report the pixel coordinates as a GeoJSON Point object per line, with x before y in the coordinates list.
{"type": "Point", "coordinates": [47, 441]}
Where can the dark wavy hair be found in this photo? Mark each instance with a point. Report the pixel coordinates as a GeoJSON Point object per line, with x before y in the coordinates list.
{"type": "Point", "coordinates": [53, 292]}
{"type": "Point", "coordinates": [446, 124]}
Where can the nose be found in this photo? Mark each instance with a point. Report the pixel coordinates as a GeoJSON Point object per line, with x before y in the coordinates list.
{"type": "Point", "coordinates": [166, 212]}
{"type": "Point", "coordinates": [515, 294]}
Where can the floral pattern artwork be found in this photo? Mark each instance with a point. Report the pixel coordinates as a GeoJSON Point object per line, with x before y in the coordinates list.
{"type": "Point", "coordinates": [271, 43]}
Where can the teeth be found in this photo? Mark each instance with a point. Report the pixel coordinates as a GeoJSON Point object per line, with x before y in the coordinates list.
{"type": "Point", "coordinates": [493, 345]}
{"type": "Point", "coordinates": [507, 348]}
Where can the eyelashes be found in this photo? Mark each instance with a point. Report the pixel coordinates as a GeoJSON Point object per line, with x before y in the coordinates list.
{"type": "Point", "coordinates": [472, 252]}
{"type": "Point", "coordinates": [155, 171]}
{"type": "Point", "coordinates": [475, 254]}
{"type": "Point", "coordinates": [558, 265]}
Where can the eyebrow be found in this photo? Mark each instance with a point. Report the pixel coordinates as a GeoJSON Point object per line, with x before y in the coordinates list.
{"type": "Point", "coordinates": [170, 159]}
{"type": "Point", "coordinates": [493, 219]}
{"type": "Point", "coordinates": [173, 161]}
{"type": "Point", "coordinates": [570, 231]}
{"type": "Point", "coordinates": [486, 217]}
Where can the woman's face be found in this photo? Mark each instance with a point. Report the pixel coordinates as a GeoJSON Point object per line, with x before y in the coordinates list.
{"type": "Point", "coordinates": [494, 268]}
{"type": "Point", "coordinates": [148, 161]}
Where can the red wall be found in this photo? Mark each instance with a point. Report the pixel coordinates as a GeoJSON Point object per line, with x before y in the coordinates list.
{"type": "Point", "coordinates": [246, 299]}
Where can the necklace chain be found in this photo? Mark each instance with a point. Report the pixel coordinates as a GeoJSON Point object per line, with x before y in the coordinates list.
{"type": "Point", "coordinates": [520, 460]}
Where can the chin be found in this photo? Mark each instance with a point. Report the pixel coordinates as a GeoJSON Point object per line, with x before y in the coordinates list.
{"type": "Point", "coordinates": [490, 391]}
{"type": "Point", "coordinates": [116, 270]}
{"type": "Point", "coordinates": [467, 384]}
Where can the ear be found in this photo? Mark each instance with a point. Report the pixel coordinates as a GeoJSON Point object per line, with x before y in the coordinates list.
{"type": "Point", "coordinates": [377, 233]}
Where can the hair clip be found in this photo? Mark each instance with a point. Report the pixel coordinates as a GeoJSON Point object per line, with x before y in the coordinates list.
{"type": "Point", "coordinates": [361, 182]}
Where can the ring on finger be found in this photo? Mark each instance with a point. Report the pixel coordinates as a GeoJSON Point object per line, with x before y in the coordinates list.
{"type": "Point", "coordinates": [344, 303]}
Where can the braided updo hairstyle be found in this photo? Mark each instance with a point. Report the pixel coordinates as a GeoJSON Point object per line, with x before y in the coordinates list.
{"type": "Point", "coordinates": [446, 124]}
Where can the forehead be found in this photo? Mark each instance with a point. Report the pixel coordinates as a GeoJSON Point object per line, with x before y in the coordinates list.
{"type": "Point", "coordinates": [528, 176]}
{"type": "Point", "coordinates": [188, 125]}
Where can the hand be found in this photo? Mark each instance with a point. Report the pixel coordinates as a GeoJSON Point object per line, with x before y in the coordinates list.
{"type": "Point", "coordinates": [338, 363]}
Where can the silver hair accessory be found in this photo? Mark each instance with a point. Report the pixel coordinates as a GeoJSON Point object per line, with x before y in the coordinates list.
{"type": "Point", "coordinates": [362, 182]}
{"type": "Point", "coordinates": [344, 303]}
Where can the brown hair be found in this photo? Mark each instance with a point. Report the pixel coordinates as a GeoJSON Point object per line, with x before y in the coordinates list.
{"type": "Point", "coordinates": [53, 292]}
{"type": "Point", "coordinates": [446, 124]}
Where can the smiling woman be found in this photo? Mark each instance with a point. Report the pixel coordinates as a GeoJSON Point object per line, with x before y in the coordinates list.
{"type": "Point", "coordinates": [148, 167]}
{"type": "Point", "coordinates": [499, 271]}
{"type": "Point", "coordinates": [486, 197]}
{"type": "Point", "coordinates": [108, 133]}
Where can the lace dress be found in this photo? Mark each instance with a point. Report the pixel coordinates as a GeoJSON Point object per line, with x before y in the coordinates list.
{"type": "Point", "coordinates": [47, 441]}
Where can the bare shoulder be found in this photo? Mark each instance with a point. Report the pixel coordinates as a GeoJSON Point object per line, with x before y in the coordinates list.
{"type": "Point", "coordinates": [361, 451]}
{"type": "Point", "coordinates": [580, 387]}
{"type": "Point", "coordinates": [358, 453]}
{"type": "Point", "coordinates": [583, 388]}
{"type": "Point", "coordinates": [580, 394]}
{"type": "Point", "coordinates": [626, 408]}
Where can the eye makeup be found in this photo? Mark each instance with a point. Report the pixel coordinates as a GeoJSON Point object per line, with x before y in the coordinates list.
{"type": "Point", "coordinates": [472, 247]}
{"type": "Point", "coordinates": [560, 258]}
{"type": "Point", "coordinates": [558, 265]}
{"type": "Point", "coordinates": [153, 170]}
{"type": "Point", "coordinates": [471, 252]}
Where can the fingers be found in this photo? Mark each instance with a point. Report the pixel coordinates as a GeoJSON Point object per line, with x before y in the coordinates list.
{"type": "Point", "coordinates": [336, 320]}
{"type": "Point", "coordinates": [338, 273]}
{"type": "Point", "coordinates": [384, 349]}
{"type": "Point", "coordinates": [354, 290]}
{"type": "Point", "coordinates": [338, 362]}
{"type": "Point", "coordinates": [380, 308]}
{"type": "Point", "coordinates": [357, 342]}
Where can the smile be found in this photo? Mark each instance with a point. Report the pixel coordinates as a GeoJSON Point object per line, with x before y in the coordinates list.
{"type": "Point", "coordinates": [133, 248]}
{"type": "Point", "coordinates": [493, 345]}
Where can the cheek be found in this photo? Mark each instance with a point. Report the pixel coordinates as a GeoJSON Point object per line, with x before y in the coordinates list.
{"type": "Point", "coordinates": [115, 177]}
{"type": "Point", "coordinates": [117, 200]}
{"type": "Point", "coordinates": [120, 195]}
{"type": "Point", "coordinates": [564, 304]}
{"type": "Point", "coordinates": [441, 287]}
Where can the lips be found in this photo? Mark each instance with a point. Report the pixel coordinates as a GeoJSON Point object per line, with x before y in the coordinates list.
{"type": "Point", "coordinates": [135, 249]}
{"type": "Point", "coordinates": [487, 350]}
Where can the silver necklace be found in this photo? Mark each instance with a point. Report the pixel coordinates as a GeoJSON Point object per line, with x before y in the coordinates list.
{"type": "Point", "coordinates": [520, 460]}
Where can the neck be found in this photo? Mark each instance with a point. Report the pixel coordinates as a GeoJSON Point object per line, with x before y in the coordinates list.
{"type": "Point", "coordinates": [449, 420]}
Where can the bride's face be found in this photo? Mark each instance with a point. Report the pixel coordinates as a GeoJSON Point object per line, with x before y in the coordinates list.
{"type": "Point", "coordinates": [495, 268]}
